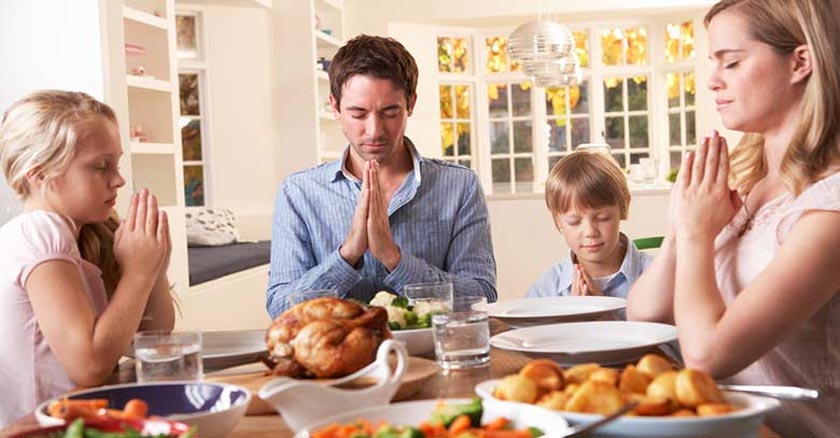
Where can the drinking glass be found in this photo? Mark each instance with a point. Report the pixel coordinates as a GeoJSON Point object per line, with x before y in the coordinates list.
{"type": "Point", "coordinates": [462, 336]}
{"type": "Point", "coordinates": [300, 296]}
{"type": "Point", "coordinates": [435, 294]}
{"type": "Point", "coordinates": [160, 356]}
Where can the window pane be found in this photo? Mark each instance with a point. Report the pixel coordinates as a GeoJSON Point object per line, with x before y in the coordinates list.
{"type": "Point", "coordinates": [499, 138]}
{"type": "Point", "coordinates": [501, 175]}
{"type": "Point", "coordinates": [552, 161]}
{"type": "Point", "coordinates": [673, 86]}
{"type": "Point", "coordinates": [445, 101]}
{"type": "Point", "coordinates": [635, 157]}
{"type": "Point", "coordinates": [615, 132]}
{"type": "Point", "coordinates": [522, 136]}
{"type": "Point", "coordinates": [557, 135]}
{"type": "Point", "coordinates": [579, 98]}
{"type": "Point", "coordinates": [637, 93]}
{"type": "Point", "coordinates": [613, 95]}
{"type": "Point", "coordinates": [580, 131]}
{"type": "Point", "coordinates": [687, 36]}
{"type": "Point", "coordinates": [555, 101]}
{"type": "Point", "coordinates": [444, 54]}
{"type": "Point", "coordinates": [462, 101]}
{"type": "Point", "coordinates": [674, 129]}
{"type": "Point", "coordinates": [521, 99]}
{"type": "Point", "coordinates": [619, 158]}
{"type": "Point", "coordinates": [612, 46]}
{"type": "Point", "coordinates": [675, 159]}
{"type": "Point", "coordinates": [638, 131]}
{"type": "Point", "coordinates": [460, 55]}
{"type": "Point", "coordinates": [191, 141]}
{"type": "Point", "coordinates": [465, 163]}
{"type": "Point", "coordinates": [524, 175]}
{"type": "Point", "coordinates": [463, 139]}
{"type": "Point", "coordinates": [672, 42]}
{"type": "Point", "coordinates": [636, 46]}
{"type": "Point", "coordinates": [582, 47]}
{"type": "Point", "coordinates": [194, 185]}
{"type": "Point", "coordinates": [497, 95]}
{"type": "Point", "coordinates": [188, 84]}
{"type": "Point", "coordinates": [447, 139]}
{"type": "Point", "coordinates": [688, 86]}
{"type": "Point", "coordinates": [187, 42]}
{"type": "Point", "coordinates": [496, 50]}
{"type": "Point", "coordinates": [690, 134]}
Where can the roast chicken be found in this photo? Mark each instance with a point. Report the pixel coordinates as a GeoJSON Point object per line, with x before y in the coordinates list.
{"type": "Point", "coordinates": [325, 338]}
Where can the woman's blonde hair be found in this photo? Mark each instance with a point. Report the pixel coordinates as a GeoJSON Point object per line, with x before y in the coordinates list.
{"type": "Point", "coordinates": [815, 146]}
{"type": "Point", "coordinates": [40, 133]}
{"type": "Point", "coordinates": [588, 180]}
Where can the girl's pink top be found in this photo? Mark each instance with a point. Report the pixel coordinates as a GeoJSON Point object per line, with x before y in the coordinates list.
{"type": "Point", "coordinates": [810, 355]}
{"type": "Point", "coordinates": [29, 371]}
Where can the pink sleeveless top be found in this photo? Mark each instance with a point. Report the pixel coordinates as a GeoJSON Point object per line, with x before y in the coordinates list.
{"type": "Point", "coordinates": [29, 371]}
{"type": "Point", "coordinates": [809, 356]}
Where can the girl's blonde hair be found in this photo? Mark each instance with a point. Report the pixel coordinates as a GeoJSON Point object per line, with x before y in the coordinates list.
{"type": "Point", "coordinates": [39, 133]}
{"type": "Point", "coordinates": [815, 146]}
{"type": "Point", "coordinates": [589, 180]}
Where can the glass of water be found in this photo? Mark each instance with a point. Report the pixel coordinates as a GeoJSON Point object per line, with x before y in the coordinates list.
{"type": "Point", "coordinates": [462, 336]}
{"type": "Point", "coordinates": [300, 296]}
{"type": "Point", "coordinates": [437, 295]}
{"type": "Point", "coordinates": [160, 356]}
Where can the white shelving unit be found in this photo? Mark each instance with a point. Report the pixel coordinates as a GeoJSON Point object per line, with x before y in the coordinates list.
{"type": "Point", "coordinates": [308, 118]}
{"type": "Point", "coordinates": [150, 101]}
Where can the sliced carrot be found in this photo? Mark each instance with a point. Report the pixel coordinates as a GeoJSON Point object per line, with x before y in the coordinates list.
{"type": "Point", "coordinates": [460, 424]}
{"type": "Point", "coordinates": [497, 424]}
{"type": "Point", "coordinates": [135, 408]}
{"type": "Point", "coordinates": [507, 434]}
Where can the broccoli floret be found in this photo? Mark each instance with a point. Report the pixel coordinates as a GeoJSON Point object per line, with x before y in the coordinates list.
{"type": "Point", "coordinates": [400, 302]}
{"type": "Point", "coordinates": [411, 320]}
{"type": "Point", "coordinates": [425, 321]}
{"type": "Point", "coordinates": [535, 432]}
{"type": "Point", "coordinates": [411, 432]}
{"type": "Point", "coordinates": [446, 414]}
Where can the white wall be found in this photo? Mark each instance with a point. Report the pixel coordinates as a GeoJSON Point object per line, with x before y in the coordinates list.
{"type": "Point", "coordinates": [242, 143]}
{"type": "Point", "coordinates": [62, 49]}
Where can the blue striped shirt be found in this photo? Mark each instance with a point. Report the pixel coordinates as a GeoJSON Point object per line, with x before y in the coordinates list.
{"type": "Point", "coordinates": [438, 219]}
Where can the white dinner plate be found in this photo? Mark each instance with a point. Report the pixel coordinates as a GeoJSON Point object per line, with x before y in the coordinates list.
{"type": "Point", "coordinates": [527, 312]}
{"type": "Point", "coordinates": [228, 348]}
{"type": "Point", "coordinates": [604, 342]}
{"type": "Point", "coordinates": [742, 423]}
{"type": "Point", "coordinates": [415, 412]}
{"type": "Point", "coordinates": [418, 341]}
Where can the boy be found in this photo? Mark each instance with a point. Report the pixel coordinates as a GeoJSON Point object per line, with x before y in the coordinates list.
{"type": "Point", "coordinates": [588, 196]}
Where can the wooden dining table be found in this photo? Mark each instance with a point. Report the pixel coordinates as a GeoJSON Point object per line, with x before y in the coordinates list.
{"type": "Point", "coordinates": [444, 384]}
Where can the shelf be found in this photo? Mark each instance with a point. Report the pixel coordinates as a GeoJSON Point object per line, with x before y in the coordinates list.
{"type": "Point", "coordinates": [139, 16]}
{"type": "Point", "coordinates": [322, 75]}
{"type": "Point", "coordinates": [325, 40]}
{"type": "Point", "coordinates": [138, 147]}
{"type": "Point", "coordinates": [147, 83]}
{"type": "Point", "coordinates": [338, 5]}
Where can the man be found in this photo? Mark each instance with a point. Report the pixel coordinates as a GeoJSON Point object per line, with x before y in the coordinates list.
{"type": "Point", "coordinates": [382, 216]}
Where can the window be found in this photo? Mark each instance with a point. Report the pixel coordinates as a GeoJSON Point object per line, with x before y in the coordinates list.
{"type": "Point", "coordinates": [512, 133]}
{"type": "Point", "coordinates": [194, 120]}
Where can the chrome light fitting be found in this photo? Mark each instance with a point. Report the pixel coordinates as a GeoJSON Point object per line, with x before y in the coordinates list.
{"type": "Point", "coordinates": [546, 51]}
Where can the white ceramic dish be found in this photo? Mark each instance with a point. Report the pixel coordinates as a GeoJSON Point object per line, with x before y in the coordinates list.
{"type": "Point", "coordinates": [221, 349]}
{"type": "Point", "coordinates": [414, 412]}
{"type": "Point", "coordinates": [604, 342]}
{"type": "Point", "coordinates": [418, 341]}
{"type": "Point", "coordinates": [214, 408]}
{"type": "Point", "coordinates": [742, 423]}
{"type": "Point", "coordinates": [529, 312]}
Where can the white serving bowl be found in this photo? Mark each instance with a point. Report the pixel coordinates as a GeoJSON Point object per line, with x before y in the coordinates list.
{"type": "Point", "coordinates": [214, 408]}
{"type": "Point", "coordinates": [419, 342]}
{"type": "Point", "coordinates": [414, 412]}
{"type": "Point", "coordinates": [742, 423]}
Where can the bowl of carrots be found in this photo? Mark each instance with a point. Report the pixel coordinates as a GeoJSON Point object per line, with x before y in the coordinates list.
{"type": "Point", "coordinates": [452, 418]}
{"type": "Point", "coordinates": [113, 428]}
{"type": "Point", "coordinates": [209, 407]}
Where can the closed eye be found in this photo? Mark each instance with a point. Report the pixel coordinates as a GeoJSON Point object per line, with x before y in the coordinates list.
{"type": "Point", "coordinates": [730, 65]}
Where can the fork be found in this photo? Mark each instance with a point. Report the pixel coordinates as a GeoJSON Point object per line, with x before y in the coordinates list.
{"type": "Point", "coordinates": [585, 429]}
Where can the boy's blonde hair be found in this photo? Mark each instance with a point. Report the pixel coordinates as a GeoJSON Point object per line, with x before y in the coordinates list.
{"type": "Point", "coordinates": [587, 180]}
{"type": "Point", "coordinates": [40, 133]}
{"type": "Point", "coordinates": [814, 150]}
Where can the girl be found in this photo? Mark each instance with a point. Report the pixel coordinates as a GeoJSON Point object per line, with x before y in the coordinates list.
{"type": "Point", "coordinates": [752, 286]}
{"type": "Point", "coordinates": [75, 283]}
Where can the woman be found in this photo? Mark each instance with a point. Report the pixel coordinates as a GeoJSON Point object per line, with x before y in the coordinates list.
{"type": "Point", "coordinates": [752, 286]}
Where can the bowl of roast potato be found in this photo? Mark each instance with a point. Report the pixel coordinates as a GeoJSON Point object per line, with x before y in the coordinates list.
{"type": "Point", "coordinates": [671, 402]}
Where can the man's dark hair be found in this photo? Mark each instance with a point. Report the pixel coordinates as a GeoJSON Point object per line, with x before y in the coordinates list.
{"type": "Point", "coordinates": [379, 57]}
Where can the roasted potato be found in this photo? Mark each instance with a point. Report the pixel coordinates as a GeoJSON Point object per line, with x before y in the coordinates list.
{"type": "Point", "coordinates": [607, 375]}
{"type": "Point", "coordinates": [695, 387]}
{"type": "Point", "coordinates": [545, 373]}
{"type": "Point", "coordinates": [580, 373]}
{"type": "Point", "coordinates": [555, 400]}
{"type": "Point", "coordinates": [517, 388]}
{"type": "Point", "coordinates": [650, 406]}
{"type": "Point", "coordinates": [664, 386]}
{"type": "Point", "coordinates": [684, 412]}
{"type": "Point", "coordinates": [633, 380]}
{"type": "Point", "coordinates": [653, 365]}
{"type": "Point", "coordinates": [709, 409]}
{"type": "Point", "coordinates": [595, 397]}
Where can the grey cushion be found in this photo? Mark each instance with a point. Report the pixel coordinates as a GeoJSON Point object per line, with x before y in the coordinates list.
{"type": "Point", "coordinates": [212, 262]}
